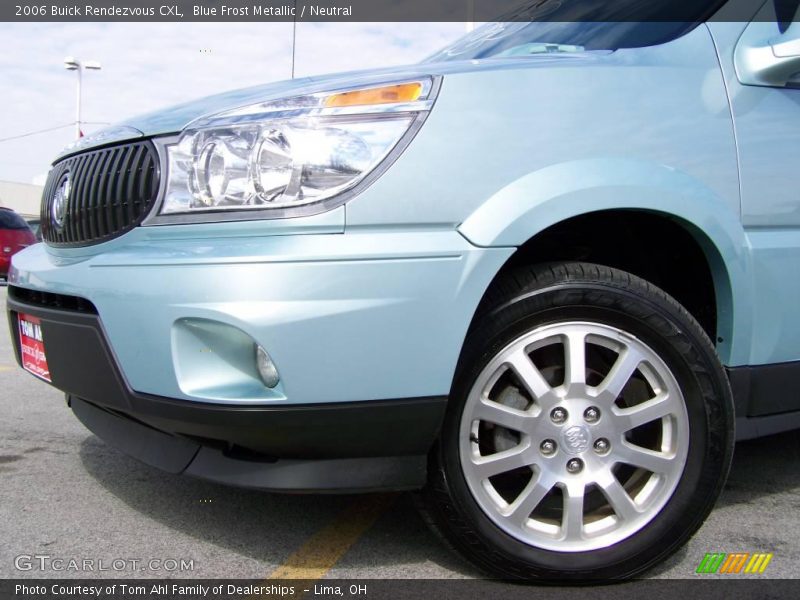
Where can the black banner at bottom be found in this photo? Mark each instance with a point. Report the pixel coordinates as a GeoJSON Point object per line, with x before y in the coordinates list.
{"type": "Point", "coordinates": [418, 589]}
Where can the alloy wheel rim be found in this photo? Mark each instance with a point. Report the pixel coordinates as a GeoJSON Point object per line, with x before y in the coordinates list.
{"type": "Point", "coordinates": [574, 437]}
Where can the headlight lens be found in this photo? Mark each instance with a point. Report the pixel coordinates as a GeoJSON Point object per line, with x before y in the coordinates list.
{"type": "Point", "coordinates": [292, 153]}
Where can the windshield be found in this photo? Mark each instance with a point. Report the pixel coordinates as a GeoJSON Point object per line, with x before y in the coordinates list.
{"type": "Point", "coordinates": [555, 26]}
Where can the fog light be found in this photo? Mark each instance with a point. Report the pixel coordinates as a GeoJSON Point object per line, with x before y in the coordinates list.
{"type": "Point", "coordinates": [266, 368]}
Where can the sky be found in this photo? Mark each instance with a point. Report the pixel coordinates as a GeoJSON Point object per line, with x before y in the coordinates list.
{"type": "Point", "coordinates": [146, 66]}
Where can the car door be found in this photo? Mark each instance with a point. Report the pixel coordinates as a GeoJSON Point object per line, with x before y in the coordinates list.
{"type": "Point", "coordinates": [761, 62]}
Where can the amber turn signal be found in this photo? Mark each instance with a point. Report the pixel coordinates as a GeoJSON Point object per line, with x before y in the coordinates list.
{"type": "Point", "coordinates": [390, 94]}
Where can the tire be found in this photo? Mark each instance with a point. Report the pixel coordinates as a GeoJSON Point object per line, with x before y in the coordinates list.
{"type": "Point", "coordinates": [543, 516]}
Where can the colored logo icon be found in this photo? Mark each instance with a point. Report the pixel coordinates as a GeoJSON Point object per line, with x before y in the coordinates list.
{"type": "Point", "coordinates": [737, 562]}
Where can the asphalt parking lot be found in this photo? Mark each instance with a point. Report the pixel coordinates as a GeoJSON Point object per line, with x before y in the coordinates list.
{"type": "Point", "coordinates": [64, 493]}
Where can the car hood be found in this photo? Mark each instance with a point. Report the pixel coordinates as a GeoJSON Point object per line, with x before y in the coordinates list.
{"type": "Point", "coordinates": [174, 119]}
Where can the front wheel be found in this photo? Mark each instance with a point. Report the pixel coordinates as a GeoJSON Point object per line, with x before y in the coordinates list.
{"type": "Point", "coordinates": [589, 431]}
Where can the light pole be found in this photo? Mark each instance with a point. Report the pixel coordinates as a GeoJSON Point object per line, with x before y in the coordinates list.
{"type": "Point", "coordinates": [73, 64]}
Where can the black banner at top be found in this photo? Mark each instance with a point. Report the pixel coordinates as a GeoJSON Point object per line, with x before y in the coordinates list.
{"type": "Point", "coordinates": [386, 10]}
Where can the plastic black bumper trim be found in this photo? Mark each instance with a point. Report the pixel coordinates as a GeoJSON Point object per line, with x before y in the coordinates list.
{"type": "Point", "coordinates": [175, 454]}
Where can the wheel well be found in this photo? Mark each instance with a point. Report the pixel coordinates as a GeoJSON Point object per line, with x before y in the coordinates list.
{"type": "Point", "coordinates": [649, 245]}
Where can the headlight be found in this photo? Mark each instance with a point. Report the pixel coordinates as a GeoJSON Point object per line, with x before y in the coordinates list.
{"type": "Point", "coordinates": [294, 156]}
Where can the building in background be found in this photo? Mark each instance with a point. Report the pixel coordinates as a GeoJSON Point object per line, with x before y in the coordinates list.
{"type": "Point", "coordinates": [23, 198]}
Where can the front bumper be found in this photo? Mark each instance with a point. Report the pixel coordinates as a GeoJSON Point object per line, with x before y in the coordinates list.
{"type": "Point", "coordinates": [326, 447]}
{"type": "Point", "coordinates": [354, 316]}
{"type": "Point", "coordinates": [353, 322]}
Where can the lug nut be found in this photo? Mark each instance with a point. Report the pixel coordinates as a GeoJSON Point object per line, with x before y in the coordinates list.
{"type": "Point", "coordinates": [559, 415]}
{"type": "Point", "coordinates": [548, 447]}
{"type": "Point", "coordinates": [601, 446]}
{"type": "Point", "coordinates": [591, 414]}
{"type": "Point", "coordinates": [574, 465]}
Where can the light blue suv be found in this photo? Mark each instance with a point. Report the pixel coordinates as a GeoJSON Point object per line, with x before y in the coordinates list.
{"type": "Point", "coordinates": [540, 276]}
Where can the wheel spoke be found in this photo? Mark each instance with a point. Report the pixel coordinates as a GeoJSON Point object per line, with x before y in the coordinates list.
{"type": "Point", "coordinates": [529, 498]}
{"type": "Point", "coordinates": [505, 416]}
{"type": "Point", "coordinates": [618, 497]}
{"type": "Point", "coordinates": [641, 414]}
{"type": "Point", "coordinates": [572, 520]}
{"type": "Point", "coordinates": [502, 462]}
{"type": "Point", "coordinates": [529, 375]}
{"type": "Point", "coordinates": [575, 361]}
{"type": "Point", "coordinates": [655, 462]}
{"type": "Point", "coordinates": [624, 368]}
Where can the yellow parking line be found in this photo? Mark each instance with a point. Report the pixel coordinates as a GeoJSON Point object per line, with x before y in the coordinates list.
{"type": "Point", "coordinates": [326, 547]}
{"type": "Point", "coordinates": [4, 368]}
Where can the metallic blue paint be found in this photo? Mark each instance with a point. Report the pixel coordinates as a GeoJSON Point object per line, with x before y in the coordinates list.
{"type": "Point", "coordinates": [364, 315]}
{"type": "Point", "coordinates": [373, 300]}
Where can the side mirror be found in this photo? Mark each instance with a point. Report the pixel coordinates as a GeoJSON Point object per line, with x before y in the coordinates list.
{"type": "Point", "coordinates": [763, 58]}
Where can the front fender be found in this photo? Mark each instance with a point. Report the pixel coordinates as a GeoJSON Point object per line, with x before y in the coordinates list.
{"type": "Point", "coordinates": [538, 200]}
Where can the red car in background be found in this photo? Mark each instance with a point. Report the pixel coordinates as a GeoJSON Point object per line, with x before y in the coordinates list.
{"type": "Point", "coordinates": [15, 234]}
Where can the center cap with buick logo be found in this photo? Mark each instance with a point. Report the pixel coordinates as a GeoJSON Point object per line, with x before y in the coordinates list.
{"type": "Point", "coordinates": [58, 209]}
{"type": "Point", "coordinates": [575, 439]}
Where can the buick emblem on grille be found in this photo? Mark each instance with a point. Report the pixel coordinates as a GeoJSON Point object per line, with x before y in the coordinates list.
{"type": "Point", "coordinates": [58, 209]}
